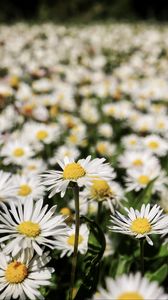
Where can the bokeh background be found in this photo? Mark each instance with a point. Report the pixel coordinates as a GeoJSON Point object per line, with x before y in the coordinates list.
{"type": "Point", "coordinates": [83, 10]}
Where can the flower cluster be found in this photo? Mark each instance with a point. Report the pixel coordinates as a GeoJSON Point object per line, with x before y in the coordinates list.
{"type": "Point", "coordinates": [83, 108]}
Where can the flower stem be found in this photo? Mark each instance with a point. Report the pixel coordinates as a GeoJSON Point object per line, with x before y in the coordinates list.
{"type": "Point", "coordinates": [99, 212]}
{"type": "Point", "coordinates": [142, 255]}
{"type": "Point", "coordinates": [77, 224]}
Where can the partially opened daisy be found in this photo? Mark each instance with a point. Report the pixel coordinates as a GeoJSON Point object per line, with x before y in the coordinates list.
{"type": "Point", "coordinates": [66, 243]}
{"type": "Point", "coordinates": [30, 225]}
{"type": "Point", "coordinates": [21, 276]}
{"type": "Point", "coordinates": [130, 287]}
{"type": "Point", "coordinates": [149, 220]}
{"type": "Point", "coordinates": [108, 192]}
{"type": "Point", "coordinates": [83, 172]}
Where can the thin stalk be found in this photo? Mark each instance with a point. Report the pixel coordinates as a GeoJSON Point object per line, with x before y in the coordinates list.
{"type": "Point", "coordinates": [99, 212]}
{"type": "Point", "coordinates": [77, 224]}
{"type": "Point", "coordinates": [142, 255]}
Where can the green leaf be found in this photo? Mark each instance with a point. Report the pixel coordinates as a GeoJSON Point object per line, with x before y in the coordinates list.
{"type": "Point", "coordinates": [163, 251]}
{"type": "Point", "coordinates": [159, 275]}
{"type": "Point", "coordinates": [96, 247]}
{"type": "Point", "coordinates": [123, 265]}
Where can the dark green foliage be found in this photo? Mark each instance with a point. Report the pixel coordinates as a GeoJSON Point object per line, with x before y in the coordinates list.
{"type": "Point", "coordinates": [92, 261]}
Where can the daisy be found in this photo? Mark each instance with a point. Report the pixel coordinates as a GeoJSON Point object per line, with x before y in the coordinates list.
{"type": "Point", "coordinates": [104, 191]}
{"type": "Point", "coordinates": [105, 130]}
{"type": "Point", "coordinates": [30, 225]}
{"type": "Point", "coordinates": [137, 159]}
{"type": "Point", "coordinates": [41, 133]}
{"type": "Point", "coordinates": [28, 186]}
{"type": "Point", "coordinates": [83, 172]}
{"type": "Point", "coordinates": [156, 145]}
{"type": "Point", "coordinates": [147, 221]}
{"type": "Point", "coordinates": [138, 179]}
{"type": "Point", "coordinates": [105, 148]}
{"type": "Point", "coordinates": [43, 85]}
{"type": "Point", "coordinates": [130, 287]}
{"type": "Point", "coordinates": [145, 123]}
{"type": "Point", "coordinates": [66, 243]}
{"type": "Point", "coordinates": [21, 276]}
{"type": "Point", "coordinates": [132, 142]}
{"type": "Point", "coordinates": [34, 166]}
{"type": "Point", "coordinates": [7, 186]}
{"type": "Point", "coordinates": [16, 152]}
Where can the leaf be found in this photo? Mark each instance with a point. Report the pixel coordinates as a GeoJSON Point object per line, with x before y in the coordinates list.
{"type": "Point", "coordinates": [163, 251]}
{"type": "Point", "coordinates": [123, 265]}
{"type": "Point", "coordinates": [96, 247]}
{"type": "Point", "coordinates": [159, 275]}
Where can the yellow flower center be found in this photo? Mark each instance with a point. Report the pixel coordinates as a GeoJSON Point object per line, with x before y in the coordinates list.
{"type": "Point", "coordinates": [29, 228]}
{"type": "Point", "coordinates": [16, 272]}
{"type": "Point", "coordinates": [18, 152]}
{"type": "Point", "coordinates": [140, 226]}
{"type": "Point", "coordinates": [130, 296]}
{"type": "Point", "coordinates": [73, 171]}
{"type": "Point", "coordinates": [41, 135]}
{"type": "Point", "coordinates": [137, 163]}
{"type": "Point", "coordinates": [143, 179]}
{"type": "Point", "coordinates": [71, 240]}
{"type": "Point", "coordinates": [111, 110]}
{"type": "Point", "coordinates": [133, 142]}
{"type": "Point", "coordinates": [100, 189]}
{"type": "Point", "coordinates": [73, 138]}
{"type": "Point", "coordinates": [53, 111]}
{"type": "Point", "coordinates": [24, 190]}
{"type": "Point", "coordinates": [153, 145]}
{"type": "Point", "coordinates": [101, 148]}
{"type": "Point", "coordinates": [32, 167]}
{"type": "Point", "coordinates": [161, 125]}
{"type": "Point", "coordinates": [65, 211]}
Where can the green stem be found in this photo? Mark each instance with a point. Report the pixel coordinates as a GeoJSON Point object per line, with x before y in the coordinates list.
{"type": "Point", "coordinates": [77, 224]}
{"type": "Point", "coordinates": [99, 212]}
{"type": "Point", "coordinates": [142, 255]}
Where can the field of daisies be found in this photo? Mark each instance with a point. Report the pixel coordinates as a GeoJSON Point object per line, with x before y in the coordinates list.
{"type": "Point", "coordinates": [83, 162]}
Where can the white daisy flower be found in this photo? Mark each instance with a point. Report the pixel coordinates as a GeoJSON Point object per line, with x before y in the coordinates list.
{"type": "Point", "coordinates": [16, 152]}
{"type": "Point", "coordinates": [34, 166]}
{"type": "Point", "coordinates": [138, 179]}
{"type": "Point", "coordinates": [66, 243]}
{"type": "Point", "coordinates": [105, 148]}
{"type": "Point", "coordinates": [22, 276]}
{"type": "Point", "coordinates": [83, 172]}
{"type": "Point", "coordinates": [109, 192]}
{"type": "Point", "coordinates": [132, 142]}
{"type": "Point", "coordinates": [7, 186]}
{"type": "Point", "coordinates": [77, 136]}
{"type": "Point", "coordinates": [147, 221]}
{"type": "Point", "coordinates": [161, 124]}
{"type": "Point", "coordinates": [130, 287]}
{"type": "Point", "coordinates": [156, 144]}
{"type": "Point", "coordinates": [137, 159]}
{"type": "Point", "coordinates": [41, 133]}
{"type": "Point", "coordinates": [145, 123]}
{"type": "Point", "coordinates": [105, 130]}
{"type": "Point", "coordinates": [28, 186]}
{"type": "Point", "coordinates": [30, 226]}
